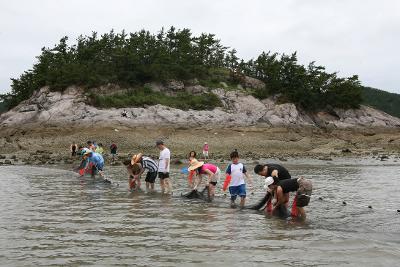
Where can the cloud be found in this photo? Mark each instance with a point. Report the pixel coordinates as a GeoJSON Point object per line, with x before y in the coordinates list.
{"type": "Point", "coordinates": [348, 36]}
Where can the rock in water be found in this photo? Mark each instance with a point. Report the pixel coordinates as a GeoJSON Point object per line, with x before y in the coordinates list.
{"type": "Point", "coordinates": [194, 194]}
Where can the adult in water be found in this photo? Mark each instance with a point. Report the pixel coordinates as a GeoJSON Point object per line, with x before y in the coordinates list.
{"type": "Point", "coordinates": [142, 163]}
{"type": "Point", "coordinates": [163, 167]}
{"type": "Point", "coordinates": [212, 171]}
{"type": "Point", "coordinates": [269, 170]}
{"type": "Point", "coordinates": [282, 188]}
{"type": "Point", "coordinates": [97, 162]}
{"type": "Point", "coordinates": [133, 177]}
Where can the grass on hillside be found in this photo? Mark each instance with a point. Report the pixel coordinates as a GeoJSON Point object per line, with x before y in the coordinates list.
{"type": "Point", "coordinates": [142, 97]}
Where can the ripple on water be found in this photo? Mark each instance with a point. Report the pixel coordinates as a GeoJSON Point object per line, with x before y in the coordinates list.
{"type": "Point", "coordinates": [51, 217]}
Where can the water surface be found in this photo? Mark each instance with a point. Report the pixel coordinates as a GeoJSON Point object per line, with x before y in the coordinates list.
{"type": "Point", "coordinates": [50, 217]}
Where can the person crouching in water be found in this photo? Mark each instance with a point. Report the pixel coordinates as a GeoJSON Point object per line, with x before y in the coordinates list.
{"type": "Point", "coordinates": [237, 186]}
{"type": "Point", "coordinates": [142, 163]}
{"type": "Point", "coordinates": [282, 188]}
{"type": "Point", "coordinates": [212, 171]}
{"type": "Point", "coordinates": [267, 170]}
{"type": "Point", "coordinates": [96, 162]}
{"type": "Point", "coordinates": [133, 177]}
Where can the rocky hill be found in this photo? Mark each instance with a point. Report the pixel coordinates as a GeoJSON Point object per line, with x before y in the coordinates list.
{"type": "Point", "coordinates": [46, 108]}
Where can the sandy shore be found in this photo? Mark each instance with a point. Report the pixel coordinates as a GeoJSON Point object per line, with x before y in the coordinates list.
{"type": "Point", "coordinates": [35, 145]}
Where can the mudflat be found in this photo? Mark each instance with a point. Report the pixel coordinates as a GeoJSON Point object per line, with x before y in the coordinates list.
{"type": "Point", "coordinates": [253, 142]}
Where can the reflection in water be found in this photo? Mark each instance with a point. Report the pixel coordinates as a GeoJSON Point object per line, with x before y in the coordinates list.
{"type": "Point", "coordinates": [52, 217]}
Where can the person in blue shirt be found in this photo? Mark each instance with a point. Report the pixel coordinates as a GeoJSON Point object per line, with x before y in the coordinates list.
{"type": "Point", "coordinates": [94, 161]}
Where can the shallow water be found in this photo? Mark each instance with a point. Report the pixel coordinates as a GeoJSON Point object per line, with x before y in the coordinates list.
{"type": "Point", "coordinates": [52, 217]}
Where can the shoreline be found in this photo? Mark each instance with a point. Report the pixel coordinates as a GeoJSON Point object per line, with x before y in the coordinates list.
{"type": "Point", "coordinates": [50, 145]}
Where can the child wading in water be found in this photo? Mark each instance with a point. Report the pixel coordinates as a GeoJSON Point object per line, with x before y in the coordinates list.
{"type": "Point", "coordinates": [192, 156]}
{"type": "Point", "coordinates": [236, 172]}
{"type": "Point", "coordinates": [133, 177]}
{"type": "Point", "coordinates": [213, 173]}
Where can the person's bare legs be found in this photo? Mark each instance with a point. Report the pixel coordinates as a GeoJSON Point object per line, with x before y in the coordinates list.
{"type": "Point", "coordinates": [197, 182]}
{"type": "Point", "coordinates": [242, 201]}
{"type": "Point", "coordinates": [162, 184]}
{"type": "Point", "coordinates": [212, 191]}
{"type": "Point", "coordinates": [302, 213]}
{"type": "Point", "coordinates": [168, 185]}
{"type": "Point", "coordinates": [147, 186]}
{"type": "Point", "coordinates": [130, 182]}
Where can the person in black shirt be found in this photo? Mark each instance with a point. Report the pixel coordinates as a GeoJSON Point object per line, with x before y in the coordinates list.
{"type": "Point", "coordinates": [282, 188]}
{"type": "Point", "coordinates": [273, 170]}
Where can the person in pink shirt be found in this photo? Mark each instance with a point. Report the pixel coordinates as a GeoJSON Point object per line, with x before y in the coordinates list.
{"type": "Point", "coordinates": [205, 150]}
{"type": "Point", "coordinates": [212, 171]}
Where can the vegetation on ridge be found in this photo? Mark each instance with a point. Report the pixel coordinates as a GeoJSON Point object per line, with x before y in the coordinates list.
{"type": "Point", "coordinates": [382, 100]}
{"type": "Point", "coordinates": [131, 60]}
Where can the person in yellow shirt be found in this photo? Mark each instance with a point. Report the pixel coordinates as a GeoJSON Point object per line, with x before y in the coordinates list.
{"type": "Point", "coordinates": [100, 149]}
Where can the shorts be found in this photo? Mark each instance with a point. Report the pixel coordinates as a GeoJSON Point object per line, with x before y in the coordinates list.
{"type": "Point", "coordinates": [217, 176]}
{"type": "Point", "coordinates": [213, 183]}
{"type": "Point", "coordinates": [205, 153]}
{"type": "Point", "coordinates": [95, 169]}
{"type": "Point", "coordinates": [304, 192]}
{"type": "Point", "coordinates": [239, 190]}
{"type": "Point", "coordinates": [163, 176]}
{"type": "Point", "coordinates": [151, 177]}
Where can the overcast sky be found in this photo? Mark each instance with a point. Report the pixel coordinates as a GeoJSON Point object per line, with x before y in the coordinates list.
{"type": "Point", "coordinates": [349, 36]}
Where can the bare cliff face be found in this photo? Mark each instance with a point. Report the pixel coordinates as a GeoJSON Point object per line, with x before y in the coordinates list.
{"type": "Point", "coordinates": [69, 108]}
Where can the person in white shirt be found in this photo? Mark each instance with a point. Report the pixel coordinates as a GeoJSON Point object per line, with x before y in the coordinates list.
{"type": "Point", "coordinates": [236, 172]}
{"type": "Point", "coordinates": [163, 168]}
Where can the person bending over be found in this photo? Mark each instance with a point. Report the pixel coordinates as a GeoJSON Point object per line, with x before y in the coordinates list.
{"type": "Point", "coordinates": [282, 188]}
{"type": "Point", "coordinates": [141, 164]}
{"type": "Point", "coordinates": [267, 170]}
{"type": "Point", "coordinates": [212, 171]}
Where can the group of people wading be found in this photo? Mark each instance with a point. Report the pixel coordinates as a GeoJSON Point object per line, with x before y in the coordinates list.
{"type": "Point", "coordinates": [278, 183]}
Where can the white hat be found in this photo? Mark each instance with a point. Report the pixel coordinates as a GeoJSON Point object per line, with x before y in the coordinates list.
{"type": "Point", "coordinates": [268, 181]}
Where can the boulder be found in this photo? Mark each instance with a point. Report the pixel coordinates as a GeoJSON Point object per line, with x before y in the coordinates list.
{"type": "Point", "coordinates": [28, 108]}
{"type": "Point", "coordinates": [175, 85]}
{"type": "Point", "coordinates": [196, 89]}
{"type": "Point", "coordinates": [249, 82]}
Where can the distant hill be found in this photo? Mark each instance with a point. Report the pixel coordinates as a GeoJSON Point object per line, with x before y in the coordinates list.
{"type": "Point", "coordinates": [382, 100]}
{"type": "Point", "coordinates": [3, 107]}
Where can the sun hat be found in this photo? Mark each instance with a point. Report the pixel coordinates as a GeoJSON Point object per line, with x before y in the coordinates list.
{"type": "Point", "coordinates": [268, 181]}
{"type": "Point", "coordinates": [194, 164]}
{"type": "Point", "coordinates": [136, 158]}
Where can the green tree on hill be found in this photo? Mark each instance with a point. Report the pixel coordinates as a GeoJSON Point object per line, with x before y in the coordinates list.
{"type": "Point", "coordinates": [134, 59]}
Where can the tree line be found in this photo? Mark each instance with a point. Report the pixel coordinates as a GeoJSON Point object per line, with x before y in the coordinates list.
{"type": "Point", "coordinates": [136, 58]}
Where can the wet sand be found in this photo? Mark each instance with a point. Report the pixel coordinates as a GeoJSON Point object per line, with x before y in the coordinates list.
{"type": "Point", "coordinates": [51, 144]}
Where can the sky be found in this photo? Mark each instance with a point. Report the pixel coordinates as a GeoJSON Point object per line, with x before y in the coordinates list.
{"type": "Point", "coordinates": [347, 36]}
